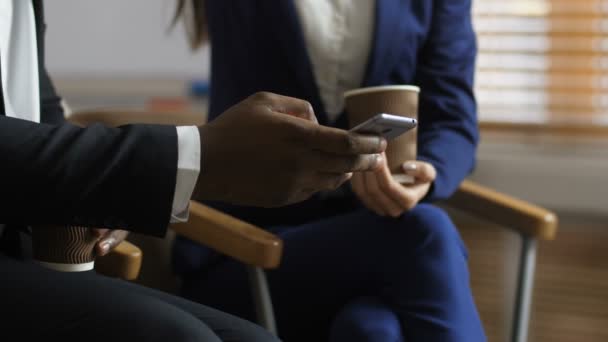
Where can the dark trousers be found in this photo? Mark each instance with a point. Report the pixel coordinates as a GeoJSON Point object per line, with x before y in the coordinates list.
{"type": "Point", "coordinates": [356, 277]}
{"type": "Point", "coordinates": [38, 304]}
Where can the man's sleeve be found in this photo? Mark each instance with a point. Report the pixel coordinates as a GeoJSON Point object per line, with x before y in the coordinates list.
{"type": "Point", "coordinates": [188, 169]}
{"type": "Point", "coordinates": [96, 176]}
{"type": "Point", "coordinates": [57, 173]}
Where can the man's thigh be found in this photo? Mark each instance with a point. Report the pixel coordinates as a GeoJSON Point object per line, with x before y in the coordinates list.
{"type": "Point", "coordinates": [40, 303]}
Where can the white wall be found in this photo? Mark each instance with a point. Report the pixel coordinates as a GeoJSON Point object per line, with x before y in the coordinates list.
{"type": "Point", "coordinates": [118, 38]}
{"type": "Point", "coordinates": [566, 174]}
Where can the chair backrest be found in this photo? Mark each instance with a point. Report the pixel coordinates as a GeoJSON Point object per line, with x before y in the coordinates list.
{"type": "Point", "coordinates": [119, 117]}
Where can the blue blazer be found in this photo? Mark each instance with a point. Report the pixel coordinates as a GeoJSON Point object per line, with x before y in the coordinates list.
{"type": "Point", "coordinates": [259, 46]}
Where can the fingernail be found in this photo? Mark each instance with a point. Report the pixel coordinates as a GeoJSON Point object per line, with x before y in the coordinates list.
{"type": "Point", "coordinates": [383, 144]}
{"type": "Point", "coordinates": [409, 166]}
{"type": "Point", "coordinates": [105, 247]}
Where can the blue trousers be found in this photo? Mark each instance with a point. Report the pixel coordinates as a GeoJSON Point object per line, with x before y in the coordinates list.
{"type": "Point", "coordinates": [355, 277]}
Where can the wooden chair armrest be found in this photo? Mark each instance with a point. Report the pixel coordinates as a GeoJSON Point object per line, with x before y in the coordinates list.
{"type": "Point", "coordinates": [230, 236]}
{"type": "Point", "coordinates": [114, 117]}
{"type": "Point", "coordinates": [505, 210]}
{"type": "Point", "coordinates": [123, 262]}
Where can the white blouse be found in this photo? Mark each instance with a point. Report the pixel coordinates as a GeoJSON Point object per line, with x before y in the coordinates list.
{"type": "Point", "coordinates": [338, 36]}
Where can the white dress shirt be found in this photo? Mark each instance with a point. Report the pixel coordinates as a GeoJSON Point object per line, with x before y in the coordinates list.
{"type": "Point", "coordinates": [20, 85]}
{"type": "Point", "coordinates": [338, 36]}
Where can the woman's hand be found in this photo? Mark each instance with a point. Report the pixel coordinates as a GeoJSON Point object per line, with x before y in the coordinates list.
{"type": "Point", "coordinates": [108, 239]}
{"type": "Point", "coordinates": [386, 197]}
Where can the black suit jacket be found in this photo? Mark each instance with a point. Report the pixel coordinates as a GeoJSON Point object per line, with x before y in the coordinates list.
{"type": "Point", "coordinates": [57, 173]}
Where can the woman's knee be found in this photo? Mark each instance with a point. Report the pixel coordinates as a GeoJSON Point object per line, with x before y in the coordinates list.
{"type": "Point", "coordinates": [431, 222]}
{"type": "Point", "coordinates": [425, 228]}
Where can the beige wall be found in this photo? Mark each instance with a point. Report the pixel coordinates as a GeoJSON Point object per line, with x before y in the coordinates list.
{"type": "Point", "coordinates": [118, 38]}
{"type": "Point", "coordinates": [566, 174]}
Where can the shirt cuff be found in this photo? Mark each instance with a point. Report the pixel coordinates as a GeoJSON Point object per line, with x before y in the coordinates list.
{"type": "Point", "coordinates": [188, 168]}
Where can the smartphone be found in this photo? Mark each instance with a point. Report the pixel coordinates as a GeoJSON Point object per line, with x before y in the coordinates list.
{"type": "Point", "coordinates": [387, 125]}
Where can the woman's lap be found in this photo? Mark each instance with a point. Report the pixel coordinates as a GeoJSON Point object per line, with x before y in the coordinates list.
{"type": "Point", "coordinates": [416, 264]}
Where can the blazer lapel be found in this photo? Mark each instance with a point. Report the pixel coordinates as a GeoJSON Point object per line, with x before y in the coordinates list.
{"type": "Point", "coordinates": [1, 97]}
{"type": "Point", "coordinates": [40, 26]}
{"type": "Point", "coordinates": [291, 39]}
{"type": "Point", "coordinates": [37, 4]}
{"type": "Point", "coordinates": [385, 45]}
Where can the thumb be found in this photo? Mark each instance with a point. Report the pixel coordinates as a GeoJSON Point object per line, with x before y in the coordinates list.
{"type": "Point", "coordinates": [110, 240]}
{"type": "Point", "coordinates": [422, 171]}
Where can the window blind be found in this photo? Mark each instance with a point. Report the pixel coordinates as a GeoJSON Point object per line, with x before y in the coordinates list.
{"type": "Point", "coordinates": [542, 60]}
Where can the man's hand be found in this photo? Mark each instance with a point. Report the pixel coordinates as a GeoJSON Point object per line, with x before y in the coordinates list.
{"type": "Point", "coordinates": [254, 154]}
{"type": "Point", "coordinates": [108, 239]}
{"type": "Point", "coordinates": [386, 197]}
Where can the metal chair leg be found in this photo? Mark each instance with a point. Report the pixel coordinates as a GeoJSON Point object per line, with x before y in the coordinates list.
{"type": "Point", "coordinates": [262, 299]}
{"type": "Point", "coordinates": [525, 286]}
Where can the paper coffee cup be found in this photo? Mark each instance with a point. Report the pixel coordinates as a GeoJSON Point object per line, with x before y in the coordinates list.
{"type": "Point", "coordinates": [68, 249]}
{"type": "Point", "coordinates": [402, 100]}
